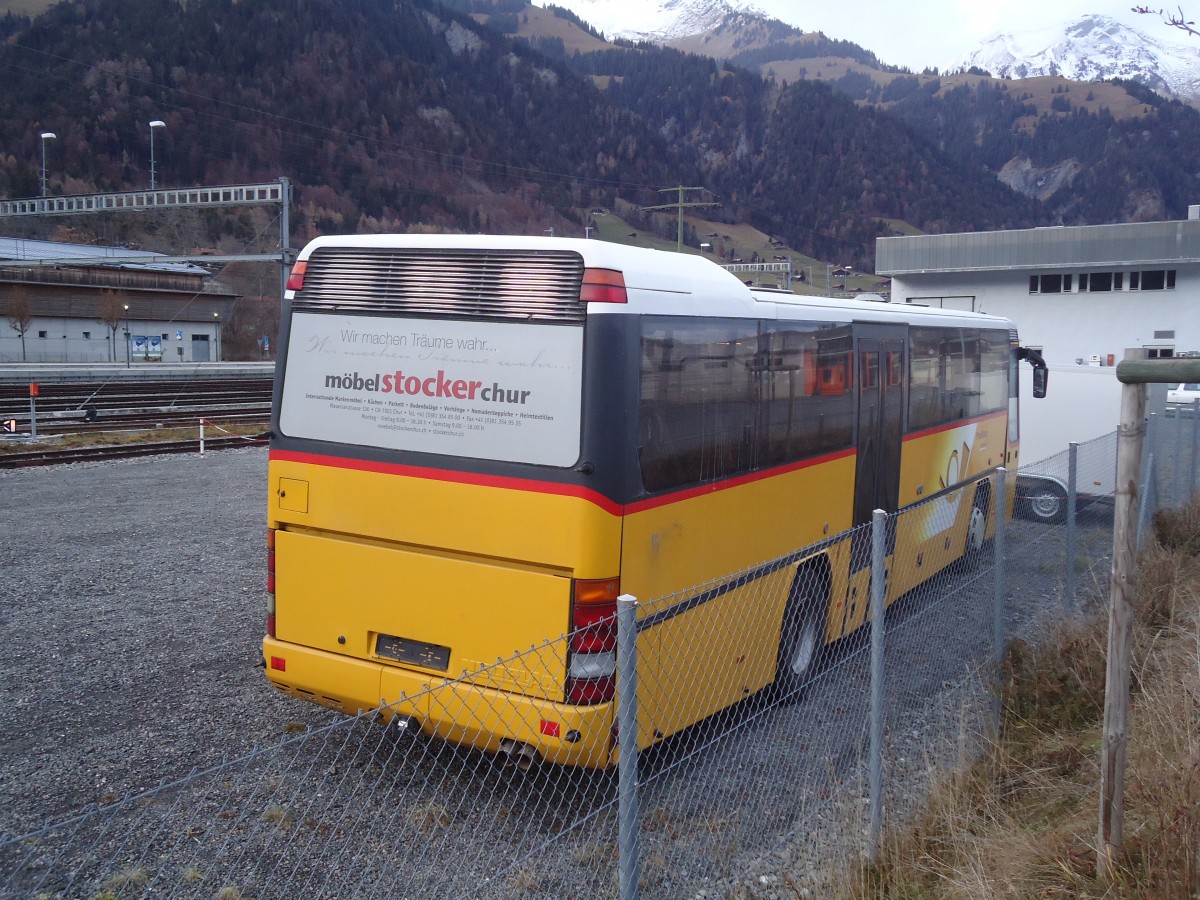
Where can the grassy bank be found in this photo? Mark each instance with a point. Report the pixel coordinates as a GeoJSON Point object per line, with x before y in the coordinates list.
{"type": "Point", "coordinates": [1022, 820]}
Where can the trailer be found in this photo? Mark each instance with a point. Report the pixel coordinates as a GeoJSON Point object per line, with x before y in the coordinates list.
{"type": "Point", "coordinates": [1083, 406]}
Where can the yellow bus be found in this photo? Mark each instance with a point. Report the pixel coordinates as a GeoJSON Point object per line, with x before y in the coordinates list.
{"type": "Point", "coordinates": [479, 442]}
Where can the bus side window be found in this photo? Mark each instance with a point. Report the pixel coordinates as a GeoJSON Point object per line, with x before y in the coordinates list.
{"type": "Point", "coordinates": [698, 400]}
{"type": "Point", "coordinates": [925, 366]}
{"type": "Point", "coordinates": [805, 416]}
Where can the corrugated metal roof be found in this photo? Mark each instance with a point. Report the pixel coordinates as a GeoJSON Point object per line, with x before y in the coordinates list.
{"type": "Point", "coordinates": [1067, 247]}
{"type": "Point", "coordinates": [22, 249]}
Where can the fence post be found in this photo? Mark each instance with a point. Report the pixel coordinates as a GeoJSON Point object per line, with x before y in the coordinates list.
{"type": "Point", "coordinates": [1114, 737]}
{"type": "Point", "coordinates": [1177, 476]}
{"type": "Point", "coordinates": [1000, 586]}
{"type": "Point", "coordinates": [628, 817]}
{"type": "Point", "coordinates": [1195, 444]}
{"type": "Point", "coordinates": [201, 437]}
{"type": "Point", "coordinates": [1072, 535]}
{"type": "Point", "coordinates": [878, 588]}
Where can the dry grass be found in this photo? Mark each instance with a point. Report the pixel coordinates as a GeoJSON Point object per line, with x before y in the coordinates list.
{"type": "Point", "coordinates": [1022, 821]}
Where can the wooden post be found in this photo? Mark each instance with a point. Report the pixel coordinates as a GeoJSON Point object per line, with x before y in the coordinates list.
{"type": "Point", "coordinates": [1120, 619]}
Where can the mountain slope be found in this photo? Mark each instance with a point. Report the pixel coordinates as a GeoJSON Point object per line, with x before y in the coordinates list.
{"type": "Point", "coordinates": [1087, 152]}
{"type": "Point", "coordinates": [402, 114]}
{"type": "Point", "coordinates": [386, 114]}
{"type": "Point", "coordinates": [802, 161]}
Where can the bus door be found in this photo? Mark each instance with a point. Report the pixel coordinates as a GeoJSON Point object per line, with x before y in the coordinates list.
{"type": "Point", "coordinates": [880, 374]}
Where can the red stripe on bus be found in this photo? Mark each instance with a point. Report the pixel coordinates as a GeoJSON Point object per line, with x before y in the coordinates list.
{"type": "Point", "coordinates": [515, 484]}
{"type": "Point", "coordinates": [950, 426]}
{"type": "Point", "coordinates": [550, 487]}
{"type": "Point", "coordinates": [736, 481]}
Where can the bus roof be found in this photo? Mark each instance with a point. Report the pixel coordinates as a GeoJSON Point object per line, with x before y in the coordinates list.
{"type": "Point", "coordinates": [668, 283]}
{"type": "Point", "coordinates": [808, 306]}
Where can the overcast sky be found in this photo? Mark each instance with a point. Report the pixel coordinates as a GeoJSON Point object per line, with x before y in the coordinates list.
{"type": "Point", "coordinates": [922, 33]}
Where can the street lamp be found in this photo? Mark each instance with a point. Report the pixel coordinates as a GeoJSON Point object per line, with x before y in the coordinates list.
{"type": "Point", "coordinates": [46, 136]}
{"type": "Point", "coordinates": [128, 339]}
{"type": "Point", "coordinates": [157, 123]}
{"type": "Point", "coordinates": [217, 318]}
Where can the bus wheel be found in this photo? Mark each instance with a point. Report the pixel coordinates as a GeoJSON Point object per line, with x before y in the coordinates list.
{"type": "Point", "coordinates": [801, 640]}
{"type": "Point", "coordinates": [976, 527]}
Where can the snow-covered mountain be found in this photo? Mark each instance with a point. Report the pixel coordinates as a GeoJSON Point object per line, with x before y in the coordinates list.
{"type": "Point", "coordinates": [1093, 48]}
{"type": "Point", "coordinates": [659, 21]}
{"type": "Point", "coordinates": [1090, 48]}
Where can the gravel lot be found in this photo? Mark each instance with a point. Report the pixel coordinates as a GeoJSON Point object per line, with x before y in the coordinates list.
{"type": "Point", "coordinates": [131, 609]}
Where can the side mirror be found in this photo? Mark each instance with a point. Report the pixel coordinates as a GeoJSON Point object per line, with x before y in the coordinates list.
{"type": "Point", "coordinates": [1041, 378]}
{"type": "Point", "coordinates": [1041, 375]}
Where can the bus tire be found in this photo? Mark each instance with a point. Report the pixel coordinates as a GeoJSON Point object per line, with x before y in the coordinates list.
{"type": "Point", "coordinates": [801, 637]}
{"type": "Point", "coordinates": [977, 526]}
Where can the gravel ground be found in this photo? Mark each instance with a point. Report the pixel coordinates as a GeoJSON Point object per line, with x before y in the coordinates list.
{"type": "Point", "coordinates": [131, 609]}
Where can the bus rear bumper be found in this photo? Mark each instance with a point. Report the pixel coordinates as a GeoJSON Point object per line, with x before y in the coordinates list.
{"type": "Point", "coordinates": [457, 711]}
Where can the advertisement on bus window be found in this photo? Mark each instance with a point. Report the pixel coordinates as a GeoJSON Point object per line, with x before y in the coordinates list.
{"type": "Point", "coordinates": [486, 390]}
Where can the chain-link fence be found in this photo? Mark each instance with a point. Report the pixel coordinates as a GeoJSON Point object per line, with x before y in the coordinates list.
{"type": "Point", "coordinates": [815, 747]}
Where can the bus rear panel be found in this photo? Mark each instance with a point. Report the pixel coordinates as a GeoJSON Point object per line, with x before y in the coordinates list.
{"type": "Point", "coordinates": [427, 520]}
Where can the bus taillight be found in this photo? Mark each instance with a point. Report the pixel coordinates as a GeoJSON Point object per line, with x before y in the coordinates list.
{"type": "Point", "coordinates": [603, 286]}
{"type": "Point", "coordinates": [271, 582]}
{"type": "Point", "coordinates": [295, 280]}
{"type": "Point", "coordinates": [591, 672]}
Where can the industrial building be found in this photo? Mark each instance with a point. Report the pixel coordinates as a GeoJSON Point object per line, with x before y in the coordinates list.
{"type": "Point", "coordinates": [1083, 294]}
{"type": "Point", "coordinates": [77, 303]}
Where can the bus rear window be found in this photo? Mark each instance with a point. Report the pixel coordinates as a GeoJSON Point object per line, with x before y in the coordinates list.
{"type": "Point", "coordinates": [485, 390]}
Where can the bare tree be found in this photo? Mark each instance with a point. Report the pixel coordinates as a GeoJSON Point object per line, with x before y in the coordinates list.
{"type": "Point", "coordinates": [19, 314]}
{"type": "Point", "coordinates": [112, 313]}
{"type": "Point", "coordinates": [1175, 20]}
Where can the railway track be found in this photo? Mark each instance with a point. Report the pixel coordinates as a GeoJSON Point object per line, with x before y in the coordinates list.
{"type": "Point", "coordinates": [50, 456]}
{"type": "Point", "coordinates": [82, 407]}
{"type": "Point", "coordinates": [125, 418]}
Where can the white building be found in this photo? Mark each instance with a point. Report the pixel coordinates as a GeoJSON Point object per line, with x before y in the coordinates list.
{"type": "Point", "coordinates": [106, 304]}
{"type": "Point", "coordinates": [1081, 293]}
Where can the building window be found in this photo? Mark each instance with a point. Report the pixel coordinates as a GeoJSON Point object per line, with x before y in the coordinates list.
{"type": "Point", "coordinates": [87, 335]}
{"type": "Point", "coordinates": [1050, 284]}
{"type": "Point", "coordinates": [41, 334]}
{"type": "Point", "coordinates": [166, 336]}
{"type": "Point", "coordinates": [1103, 282]}
{"type": "Point", "coordinates": [1152, 280]}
